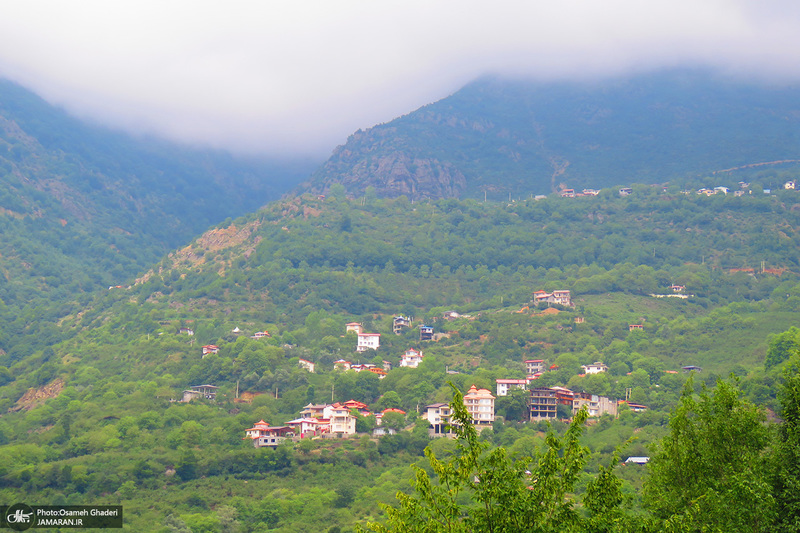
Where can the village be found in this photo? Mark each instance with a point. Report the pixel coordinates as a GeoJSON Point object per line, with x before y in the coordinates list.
{"type": "Point", "coordinates": [744, 188]}
{"type": "Point", "coordinates": [339, 419]}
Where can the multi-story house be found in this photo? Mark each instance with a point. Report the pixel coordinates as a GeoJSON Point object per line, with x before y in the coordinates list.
{"type": "Point", "coordinates": [480, 406]}
{"type": "Point", "coordinates": [438, 415]}
{"type": "Point", "coordinates": [411, 358]}
{"type": "Point", "coordinates": [368, 341]}
{"type": "Point", "coordinates": [505, 385]}
{"type": "Point", "coordinates": [595, 405]}
{"type": "Point", "coordinates": [534, 366]}
{"type": "Point", "coordinates": [544, 404]}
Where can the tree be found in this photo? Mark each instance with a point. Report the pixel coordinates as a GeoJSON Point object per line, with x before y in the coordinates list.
{"type": "Point", "coordinates": [394, 420]}
{"type": "Point", "coordinates": [709, 472]}
{"type": "Point", "coordinates": [786, 460]}
{"type": "Point", "coordinates": [782, 346]}
{"type": "Point", "coordinates": [503, 494]}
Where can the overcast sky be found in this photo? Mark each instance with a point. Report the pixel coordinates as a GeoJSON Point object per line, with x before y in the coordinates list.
{"type": "Point", "coordinates": [300, 76]}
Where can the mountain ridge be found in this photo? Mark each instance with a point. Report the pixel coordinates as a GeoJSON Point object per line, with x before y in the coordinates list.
{"type": "Point", "coordinates": [506, 137]}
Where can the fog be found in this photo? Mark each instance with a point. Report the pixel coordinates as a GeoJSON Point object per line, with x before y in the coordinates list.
{"type": "Point", "coordinates": [299, 77]}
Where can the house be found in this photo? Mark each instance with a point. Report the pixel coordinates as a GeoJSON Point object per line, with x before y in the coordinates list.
{"type": "Point", "coordinates": [438, 416]}
{"type": "Point", "coordinates": [533, 366]}
{"type": "Point", "coordinates": [186, 331]}
{"type": "Point", "coordinates": [564, 395]}
{"type": "Point", "coordinates": [399, 322]}
{"type": "Point", "coordinates": [263, 435]}
{"type": "Point", "coordinates": [368, 341]}
{"type": "Point", "coordinates": [504, 385]}
{"type": "Point", "coordinates": [543, 404]}
{"type": "Point", "coordinates": [425, 333]}
{"type": "Point", "coordinates": [689, 368]}
{"type": "Point", "coordinates": [480, 406]}
{"type": "Point", "coordinates": [210, 348]}
{"type": "Point", "coordinates": [341, 420]}
{"type": "Point", "coordinates": [723, 190]}
{"type": "Point", "coordinates": [411, 358]}
{"type": "Point", "coordinates": [450, 315]}
{"type": "Point", "coordinates": [341, 364]}
{"type": "Point", "coordinates": [635, 407]}
{"type": "Point", "coordinates": [677, 288]}
{"type": "Point", "coordinates": [634, 327]}
{"type": "Point", "coordinates": [352, 326]}
{"type": "Point", "coordinates": [590, 192]}
{"type": "Point", "coordinates": [637, 460]}
{"type": "Point", "coordinates": [308, 365]}
{"type": "Point", "coordinates": [594, 368]}
{"type": "Point", "coordinates": [387, 365]}
{"type": "Point", "coordinates": [313, 411]}
{"type": "Point", "coordinates": [595, 405]}
{"type": "Point", "coordinates": [625, 191]}
{"type": "Point", "coordinates": [567, 193]}
{"type": "Point", "coordinates": [236, 330]}
{"type": "Point", "coordinates": [362, 408]}
{"type": "Point", "coordinates": [207, 392]}
{"type": "Point", "coordinates": [260, 335]}
{"type": "Point", "coordinates": [381, 373]}
{"type": "Point", "coordinates": [362, 366]}
{"type": "Point", "coordinates": [560, 297]}
{"type": "Point", "coordinates": [790, 185]}
{"type": "Point", "coordinates": [307, 427]}
{"type": "Point", "coordinates": [379, 416]}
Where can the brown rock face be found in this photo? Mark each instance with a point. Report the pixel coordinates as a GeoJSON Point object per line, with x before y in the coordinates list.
{"type": "Point", "coordinates": [397, 174]}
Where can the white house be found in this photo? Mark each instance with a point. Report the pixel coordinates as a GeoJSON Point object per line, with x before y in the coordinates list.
{"type": "Point", "coordinates": [594, 368]}
{"type": "Point", "coordinates": [534, 366]}
{"type": "Point", "coordinates": [341, 420]}
{"type": "Point", "coordinates": [505, 385]}
{"type": "Point", "coordinates": [560, 297]}
{"type": "Point", "coordinates": [308, 365]}
{"type": "Point", "coordinates": [438, 416]}
{"type": "Point", "coordinates": [411, 358]}
{"type": "Point", "coordinates": [480, 406]}
{"type": "Point", "coordinates": [368, 341]}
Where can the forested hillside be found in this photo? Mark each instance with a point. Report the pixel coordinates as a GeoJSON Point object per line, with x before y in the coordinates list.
{"type": "Point", "coordinates": [505, 138]}
{"type": "Point", "coordinates": [83, 207]}
{"type": "Point", "coordinates": [90, 418]}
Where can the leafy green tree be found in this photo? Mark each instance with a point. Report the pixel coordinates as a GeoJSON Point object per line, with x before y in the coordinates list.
{"type": "Point", "coordinates": [787, 453]}
{"type": "Point", "coordinates": [782, 346]}
{"type": "Point", "coordinates": [514, 405]}
{"type": "Point", "coordinates": [708, 473]}
{"type": "Point", "coordinates": [478, 489]}
{"type": "Point", "coordinates": [394, 420]}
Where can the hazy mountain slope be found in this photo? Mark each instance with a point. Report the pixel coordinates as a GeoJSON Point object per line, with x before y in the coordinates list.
{"type": "Point", "coordinates": [83, 207]}
{"type": "Point", "coordinates": [527, 138]}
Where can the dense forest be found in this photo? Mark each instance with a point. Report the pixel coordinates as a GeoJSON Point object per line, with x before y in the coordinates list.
{"type": "Point", "coordinates": [88, 412]}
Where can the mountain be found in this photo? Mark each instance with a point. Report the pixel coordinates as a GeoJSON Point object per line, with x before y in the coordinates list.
{"type": "Point", "coordinates": [500, 137]}
{"type": "Point", "coordinates": [90, 416]}
{"type": "Point", "coordinates": [83, 207]}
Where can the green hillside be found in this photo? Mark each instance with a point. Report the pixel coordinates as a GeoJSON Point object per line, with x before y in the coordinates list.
{"type": "Point", "coordinates": [90, 418]}
{"type": "Point", "coordinates": [83, 207]}
{"type": "Point", "coordinates": [504, 138]}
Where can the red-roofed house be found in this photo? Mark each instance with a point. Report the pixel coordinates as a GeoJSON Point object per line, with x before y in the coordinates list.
{"type": "Point", "coordinates": [412, 358]}
{"type": "Point", "coordinates": [210, 348]}
{"type": "Point", "coordinates": [504, 385]}
{"type": "Point", "coordinates": [263, 435]}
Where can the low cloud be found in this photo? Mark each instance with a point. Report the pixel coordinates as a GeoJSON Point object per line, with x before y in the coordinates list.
{"type": "Point", "coordinates": [298, 77]}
